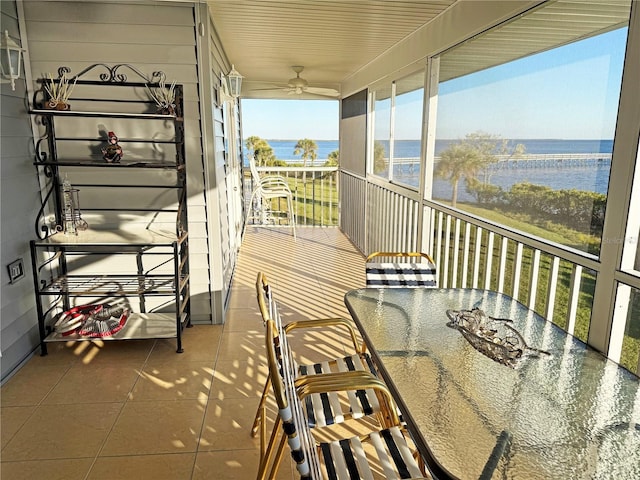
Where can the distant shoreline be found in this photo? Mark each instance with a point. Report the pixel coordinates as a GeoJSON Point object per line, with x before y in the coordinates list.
{"type": "Point", "coordinates": [283, 149]}
{"type": "Point", "coordinates": [457, 139]}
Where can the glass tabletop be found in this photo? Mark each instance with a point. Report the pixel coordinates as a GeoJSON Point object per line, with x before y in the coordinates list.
{"type": "Point", "coordinates": [562, 412]}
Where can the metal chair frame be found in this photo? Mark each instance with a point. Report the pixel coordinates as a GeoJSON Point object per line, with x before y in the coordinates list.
{"type": "Point", "coordinates": [265, 189]}
{"type": "Point", "coordinates": [326, 408]}
{"type": "Point", "coordinates": [338, 458]}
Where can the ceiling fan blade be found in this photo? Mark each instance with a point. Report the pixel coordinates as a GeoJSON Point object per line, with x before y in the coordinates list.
{"type": "Point", "coordinates": [325, 92]}
{"type": "Point", "coordinates": [309, 95]}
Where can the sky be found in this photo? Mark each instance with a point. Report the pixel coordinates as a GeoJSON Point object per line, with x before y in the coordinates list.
{"type": "Point", "coordinates": [290, 119]}
{"type": "Point", "coordinates": [567, 93]}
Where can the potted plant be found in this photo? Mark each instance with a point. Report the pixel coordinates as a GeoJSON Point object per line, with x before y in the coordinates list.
{"type": "Point", "coordinates": [59, 91]}
{"type": "Point", "coordinates": [164, 97]}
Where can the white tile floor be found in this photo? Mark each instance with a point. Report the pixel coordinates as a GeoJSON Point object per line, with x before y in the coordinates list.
{"type": "Point", "coordinates": [137, 410]}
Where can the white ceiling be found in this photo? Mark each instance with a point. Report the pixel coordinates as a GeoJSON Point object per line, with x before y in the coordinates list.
{"type": "Point", "coordinates": [334, 39]}
{"type": "Point", "coordinates": [331, 39]}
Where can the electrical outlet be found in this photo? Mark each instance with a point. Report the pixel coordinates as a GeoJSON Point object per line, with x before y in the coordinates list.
{"type": "Point", "coordinates": [16, 270]}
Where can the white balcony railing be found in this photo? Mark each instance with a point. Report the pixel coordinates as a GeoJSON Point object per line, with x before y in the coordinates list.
{"type": "Point", "coordinates": [315, 193]}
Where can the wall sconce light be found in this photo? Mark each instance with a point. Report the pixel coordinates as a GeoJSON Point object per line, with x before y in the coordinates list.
{"type": "Point", "coordinates": [234, 82]}
{"type": "Point", "coordinates": [10, 59]}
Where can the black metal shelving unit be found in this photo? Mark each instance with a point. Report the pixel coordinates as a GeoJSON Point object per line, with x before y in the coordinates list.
{"type": "Point", "coordinates": [157, 258]}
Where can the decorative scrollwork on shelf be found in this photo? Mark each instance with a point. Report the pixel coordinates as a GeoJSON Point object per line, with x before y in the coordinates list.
{"type": "Point", "coordinates": [181, 219]}
{"type": "Point", "coordinates": [55, 305]}
{"type": "Point", "coordinates": [42, 229]}
{"type": "Point", "coordinates": [62, 71]}
{"type": "Point", "coordinates": [52, 258]}
{"type": "Point", "coordinates": [110, 74]}
{"type": "Point", "coordinates": [113, 73]}
{"type": "Point", "coordinates": [41, 155]}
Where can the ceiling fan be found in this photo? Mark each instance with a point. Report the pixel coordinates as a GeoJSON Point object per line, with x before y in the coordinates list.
{"type": "Point", "coordinates": [298, 85]}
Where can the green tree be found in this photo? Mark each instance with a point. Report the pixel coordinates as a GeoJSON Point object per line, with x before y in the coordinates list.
{"type": "Point", "coordinates": [379, 165]}
{"type": "Point", "coordinates": [457, 161]}
{"type": "Point", "coordinates": [333, 159]}
{"type": "Point", "coordinates": [470, 156]}
{"type": "Point", "coordinates": [261, 151]}
{"type": "Point", "coordinates": [251, 142]}
{"type": "Point", "coordinates": [307, 149]}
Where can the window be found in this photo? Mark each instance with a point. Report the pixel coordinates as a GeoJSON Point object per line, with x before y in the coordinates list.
{"type": "Point", "coordinates": [397, 129]}
{"type": "Point", "coordinates": [630, 357]}
{"type": "Point", "coordinates": [524, 137]}
{"type": "Point", "coordinates": [381, 131]}
{"type": "Point", "coordinates": [625, 341]}
{"type": "Point", "coordinates": [631, 241]}
{"type": "Point", "coordinates": [407, 129]}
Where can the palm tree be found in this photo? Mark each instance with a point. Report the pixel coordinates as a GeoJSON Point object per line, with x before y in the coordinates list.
{"type": "Point", "coordinates": [252, 142]}
{"type": "Point", "coordinates": [457, 161]}
{"type": "Point", "coordinates": [261, 151]}
{"type": "Point", "coordinates": [470, 156]}
{"type": "Point", "coordinates": [307, 149]}
{"type": "Point", "coordinates": [333, 159]}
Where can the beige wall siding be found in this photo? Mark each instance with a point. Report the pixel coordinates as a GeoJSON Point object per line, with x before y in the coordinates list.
{"type": "Point", "coordinates": [211, 63]}
{"type": "Point", "coordinates": [19, 204]}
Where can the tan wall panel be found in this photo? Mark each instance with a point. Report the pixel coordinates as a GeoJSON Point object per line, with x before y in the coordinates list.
{"type": "Point", "coordinates": [353, 144]}
{"type": "Point", "coordinates": [141, 54]}
{"type": "Point", "coordinates": [197, 213]}
{"type": "Point", "coordinates": [19, 202]}
{"type": "Point", "coordinates": [198, 230]}
{"type": "Point", "coordinates": [108, 13]}
{"type": "Point", "coordinates": [99, 33]}
{"type": "Point", "coordinates": [198, 246]}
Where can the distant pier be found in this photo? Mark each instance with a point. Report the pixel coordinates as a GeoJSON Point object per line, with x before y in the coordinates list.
{"type": "Point", "coordinates": [554, 160]}
{"type": "Point", "coordinates": [535, 160]}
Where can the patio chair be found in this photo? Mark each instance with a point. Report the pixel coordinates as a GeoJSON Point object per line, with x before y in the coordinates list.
{"type": "Point", "coordinates": [389, 453]}
{"type": "Point", "coordinates": [401, 269]}
{"type": "Point", "coordinates": [327, 408]}
{"type": "Point", "coordinates": [266, 189]}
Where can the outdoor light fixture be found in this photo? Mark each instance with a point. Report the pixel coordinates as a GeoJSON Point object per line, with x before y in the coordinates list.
{"type": "Point", "coordinates": [11, 59]}
{"type": "Point", "coordinates": [234, 82]}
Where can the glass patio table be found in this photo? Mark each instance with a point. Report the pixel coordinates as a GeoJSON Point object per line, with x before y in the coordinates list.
{"type": "Point", "coordinates": [569, 413]}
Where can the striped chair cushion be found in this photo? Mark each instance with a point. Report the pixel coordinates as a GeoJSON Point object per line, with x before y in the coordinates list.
{"type": "Point", "coordinates": [349, 459]}
{"type": "Point", "coordinates": [401, 274]}
{"type": "Point", "coordinates": [326, 409]}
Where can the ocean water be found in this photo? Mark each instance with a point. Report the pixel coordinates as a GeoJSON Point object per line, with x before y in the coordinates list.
{"type": "Point", "coordinates": [283, 149]}
{"type": "Point", "coordinates": [592, 178]}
